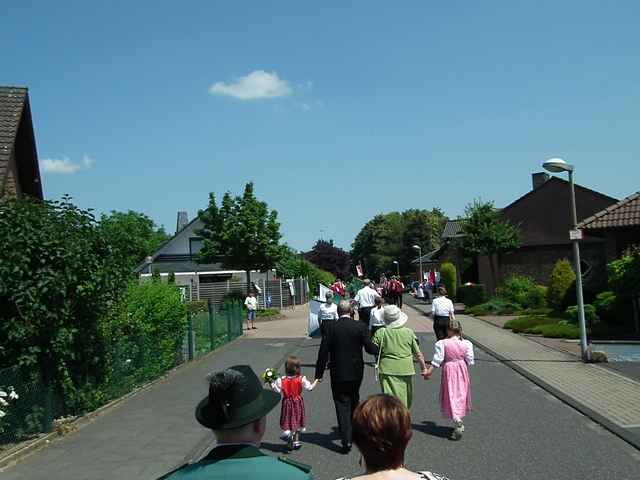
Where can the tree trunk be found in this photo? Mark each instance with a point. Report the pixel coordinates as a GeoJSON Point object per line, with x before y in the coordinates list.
{"type": "Point", "coordinates": [494, 273]}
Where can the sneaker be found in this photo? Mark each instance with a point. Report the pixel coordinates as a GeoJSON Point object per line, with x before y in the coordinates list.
{"type": "Point", "coordinates": [297, 445]}
{"type": "Point", "coordinates": [290, 443]}
{"type": "Point", "coordinates": [284, 436]}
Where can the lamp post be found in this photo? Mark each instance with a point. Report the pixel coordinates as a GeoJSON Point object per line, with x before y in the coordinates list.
{"type": "Point", "coordinates": [397, 267]}
{"type": "Point", "coordinates": [417, 247]}
{"type": "Point", "coordinates": [557, 165]}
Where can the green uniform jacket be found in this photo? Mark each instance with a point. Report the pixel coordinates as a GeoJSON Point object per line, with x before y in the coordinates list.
{"type": "Point", "coordinates": [243, 462]}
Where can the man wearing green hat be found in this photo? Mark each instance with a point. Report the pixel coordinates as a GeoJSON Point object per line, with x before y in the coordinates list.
{"type": "Point", "coordinates": [236, 409]}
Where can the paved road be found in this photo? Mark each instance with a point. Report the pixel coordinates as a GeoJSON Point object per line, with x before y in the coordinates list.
{"type": "Point", "coordinates": [516, 430]}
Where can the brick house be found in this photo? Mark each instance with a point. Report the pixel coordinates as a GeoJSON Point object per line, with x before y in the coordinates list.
{"type": "Point", "coordinates": [544, 217]}
{"type": "Point", "coordinates": [19, 170]}
{"type": "Point", "coordinates": [618, 225]}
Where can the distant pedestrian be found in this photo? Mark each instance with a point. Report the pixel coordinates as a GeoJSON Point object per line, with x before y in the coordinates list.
{"type": "Point", "coordinates": [398, 347]}
{"type": "Point", "coordinates": [292, 414]}
{"type": "Point", "coordinates": [442, 311]}
{"type": "Point", "coordinates": [236, 409]}
{"type": "Point", "coordinates": [327, 312]}
{"type": "Point", "coordinates": [376, 316]}
{"type": "Point", "coordinates": [366, 298]}
{"type": "Point", "coordinates": [251, 302]}
{"type": "Point", "coordinates": [454, 355]}
{"type": "Point", "coordinates": [420, 292]}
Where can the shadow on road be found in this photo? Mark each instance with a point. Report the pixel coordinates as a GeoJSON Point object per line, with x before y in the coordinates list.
{"type": "Point", "coordinates": [431, 428]}
{"type": "Point", "coordinates": [324, 440]}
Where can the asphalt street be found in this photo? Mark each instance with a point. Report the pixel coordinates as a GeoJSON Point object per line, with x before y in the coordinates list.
{"type": "Point", "coordinates": [516, 430]}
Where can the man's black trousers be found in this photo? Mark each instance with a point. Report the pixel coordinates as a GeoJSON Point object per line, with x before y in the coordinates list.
{"type": "Point", "coordinates": [440, 326]}
{"type": "Point", "coordinates": [346, 396]}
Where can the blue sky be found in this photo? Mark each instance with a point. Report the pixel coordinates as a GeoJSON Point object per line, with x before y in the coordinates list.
{"type": "Point", "coordinates": [336, 112]}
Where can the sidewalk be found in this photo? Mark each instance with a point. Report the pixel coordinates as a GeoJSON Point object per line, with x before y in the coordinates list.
{"type": "Point", "coordinates": [611, 399]}
{"type": "Point", "coordinates": [154, 431]}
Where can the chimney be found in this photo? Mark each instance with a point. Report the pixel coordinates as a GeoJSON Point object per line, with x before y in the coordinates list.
{"type": "Point", "coordinates": [539, 179]}
{"type": "Point", "coordinates": [183, 220]}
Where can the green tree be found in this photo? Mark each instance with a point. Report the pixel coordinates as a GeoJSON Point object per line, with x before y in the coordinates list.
{"type": "Point", "coordinates": [391, 236]}
{"type": "Point", "coordinates": [294, 265]}
{"type": "Point", "coordinates": [561, 281]}
{"type": "Point", "coordinates": [624, 279]}
{"type": "Point", "coordinates": [242, 233]}
{"type": "Point", "coordinates": [58, 277]}
{"type": "Point", "coordinates": [449, 278]}
{"type": "Point", "coordinates": [133, 235]}
{"type": "Point", "coordinates": [486, 232]}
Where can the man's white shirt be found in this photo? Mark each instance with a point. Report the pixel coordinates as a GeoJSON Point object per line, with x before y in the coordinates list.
{"type": "Point", "coordinates": [366, 297]}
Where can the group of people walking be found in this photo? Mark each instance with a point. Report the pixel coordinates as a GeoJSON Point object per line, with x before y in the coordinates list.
{"type": "Point", "coordinates": [236, 405]}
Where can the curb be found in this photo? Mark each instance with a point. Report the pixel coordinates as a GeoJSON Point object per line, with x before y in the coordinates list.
{"type": "Point", "coordinates": [625, 434]}
{"type": "Point", "coordinates": [22, 452]}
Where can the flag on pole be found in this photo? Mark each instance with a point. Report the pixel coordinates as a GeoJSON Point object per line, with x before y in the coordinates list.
{"type": "Point", "coordinates": [359, 269]}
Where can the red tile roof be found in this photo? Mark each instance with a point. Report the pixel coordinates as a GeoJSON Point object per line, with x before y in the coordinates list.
{"type": "Point", "coordinates": [625, 213]}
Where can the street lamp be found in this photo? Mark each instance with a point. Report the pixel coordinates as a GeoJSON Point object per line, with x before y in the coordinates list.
{"type": "Point", "coordinates": [397, 267]}
{"type": "Point", "coordinates": [417, 247]}
{"type": "Point", "coordinates": [558, 165]}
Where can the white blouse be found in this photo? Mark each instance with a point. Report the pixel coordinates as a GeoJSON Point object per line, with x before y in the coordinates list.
{"type": "Point", "coordinates": [376, 319]}
{"type": "Point", "coordinates": [328, 312]}
{"type": "Point", "coordinates": [438, 355]}
{"type": "Point", "coordinates": [306, 384]}
{"type": "Point", "coordinates": [442, 307]}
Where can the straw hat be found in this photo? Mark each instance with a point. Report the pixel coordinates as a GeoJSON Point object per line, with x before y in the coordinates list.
{"type": "Point", "coordinates": [394, 317]}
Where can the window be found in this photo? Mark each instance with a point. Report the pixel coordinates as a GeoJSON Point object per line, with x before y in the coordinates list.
{"type": "Point", "coordinates": [195, 245]}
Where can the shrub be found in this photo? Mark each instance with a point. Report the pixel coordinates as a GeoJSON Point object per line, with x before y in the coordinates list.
{"type": "Point", "coordinates": [526, 323]}
{"type": "Point", "coordinates": [196, 306]}
{"type": "Point", "coordinates": [268, 312]}
{"type": "Point", "coordinates": [556, 330]}
{"type": "Point", "coordinates": [472, 295]}
{"type": "Point", "coordinates": [495, 306]}
{"type": "Point", "coordinates": [523, 291]}
{"type": "Point", "coordinates": [590, 315]}
{"type": "Point", "coordinates": [560, 282]}
{"type": "Point", "coordinates": [449, 278]}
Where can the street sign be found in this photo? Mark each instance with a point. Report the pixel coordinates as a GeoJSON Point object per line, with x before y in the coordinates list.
{"type": "Point", "coordinates": [575, 234]}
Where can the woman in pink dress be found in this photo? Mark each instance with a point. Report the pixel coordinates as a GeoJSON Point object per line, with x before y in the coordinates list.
{"type": "Point", "coordinates": [454, 354]}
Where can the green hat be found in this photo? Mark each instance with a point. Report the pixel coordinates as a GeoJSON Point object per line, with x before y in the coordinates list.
{"type": "Point", "coordinates": [236, 398]}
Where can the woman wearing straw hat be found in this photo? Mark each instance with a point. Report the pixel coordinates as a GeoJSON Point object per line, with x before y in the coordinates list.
{"type": "Point", "coordinates": [398, 346]}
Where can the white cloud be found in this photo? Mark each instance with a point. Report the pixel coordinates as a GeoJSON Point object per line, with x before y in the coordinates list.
{"type": "Point", "coordinates": [257, 84]}
{"type": "Point", "coordinates": [65, 166]}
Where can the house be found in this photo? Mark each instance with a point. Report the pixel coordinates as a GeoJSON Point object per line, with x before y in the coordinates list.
{"type": "Point", "coordinates": [544, 217]}
{"type": "Point", "coordinates": [199, 281]}
{"type": "Point", "coordinates": [19, 170]}
{"type": "Point", "coordinates": [618, 225]}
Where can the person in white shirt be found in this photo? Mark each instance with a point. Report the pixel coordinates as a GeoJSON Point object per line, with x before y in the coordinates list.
{"type": "Point", "coordinates": [376, 317]}
{"type": "Point", "coordinates": [442, 311]}
{"type": "Point", "coordinates": [251, 302]}
{"type": "Point", "coordinates": [366, 298]}
{"type": "Point", "coordinates": [327, 312]}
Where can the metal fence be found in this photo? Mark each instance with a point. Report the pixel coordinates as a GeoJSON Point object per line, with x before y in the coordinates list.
{"type": "Point", "coordinates": [275, 293]}
{"type": "Point", "coordinates": [133, 361]}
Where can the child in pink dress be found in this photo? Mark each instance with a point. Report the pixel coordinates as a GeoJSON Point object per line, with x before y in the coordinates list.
{"type": "Point", "coordinates": [292, 416]}
{"type": "Point", "coordinates": [454, 354]}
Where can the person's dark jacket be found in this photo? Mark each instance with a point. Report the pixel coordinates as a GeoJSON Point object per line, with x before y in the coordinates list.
{"type": "Point", "coordinates": [344, 340]}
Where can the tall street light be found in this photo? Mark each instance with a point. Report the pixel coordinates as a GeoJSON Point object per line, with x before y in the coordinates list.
{"type": "Point", "coordinates": [397, 267]}
{"type": "Point", "coordinates": [557, 165]}
{"type": "Point", "coordinates": [417, 247]}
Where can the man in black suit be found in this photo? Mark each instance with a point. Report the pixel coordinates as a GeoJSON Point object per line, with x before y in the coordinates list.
{"type": "Point", "coordinates": [344, 340]}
